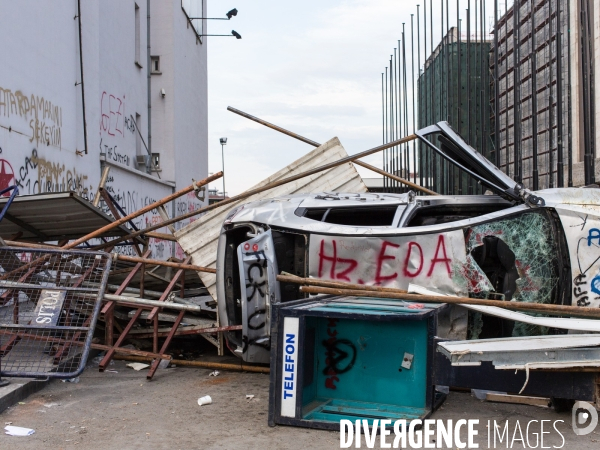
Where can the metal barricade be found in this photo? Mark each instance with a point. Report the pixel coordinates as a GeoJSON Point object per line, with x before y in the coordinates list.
{"type": "Point", "coordinates": [47, 317]}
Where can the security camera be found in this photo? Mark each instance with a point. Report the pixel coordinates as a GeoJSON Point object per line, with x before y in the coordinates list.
{"type": "Point", "coordinates": [163, 93]}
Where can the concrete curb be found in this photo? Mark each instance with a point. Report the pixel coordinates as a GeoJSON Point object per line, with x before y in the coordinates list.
{"type": "Point", "coordinates": [18, 390]}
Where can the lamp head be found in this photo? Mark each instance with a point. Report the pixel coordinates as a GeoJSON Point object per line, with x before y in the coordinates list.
{"type": "Point", "coordinates": [236, 34]}
{"type": "Point", "coordinates": [232, 13]}
{"type": "Point", "coordinates": [223, 141]}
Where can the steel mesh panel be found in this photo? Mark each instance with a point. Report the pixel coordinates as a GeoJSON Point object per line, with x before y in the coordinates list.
{"type": "Point", "coordinates": [48, 310]}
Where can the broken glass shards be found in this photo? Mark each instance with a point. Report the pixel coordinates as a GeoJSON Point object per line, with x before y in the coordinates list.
{"type": "Point", "coordinates": [518, 257]}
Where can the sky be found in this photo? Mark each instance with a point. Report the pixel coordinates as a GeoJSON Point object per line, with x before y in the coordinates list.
{"type": "Point", "coordinates": [312, 67]}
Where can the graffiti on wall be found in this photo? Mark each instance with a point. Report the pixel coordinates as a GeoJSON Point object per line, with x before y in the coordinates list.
{"type": "Point", "coordinates": [36, 122]}
{"type": "Point", "coordinates": [113, 153]}
{"type": "Point", "coordinates": [44, 118]}
{"type": "Point", "coordinates": [340, 355]}
{"type": "Point", "coordinates": [7, 175]}
{"type": "Point", "coordinates": [132, 200]}
{"type": "Point", "coordinates": [184, 205]}
{"type": "Point", "coordinates": [34, 174]}
{"type": "Point", "coordinates": [115, 124]}
{"type": "Point", "coordinates": [112, 114]}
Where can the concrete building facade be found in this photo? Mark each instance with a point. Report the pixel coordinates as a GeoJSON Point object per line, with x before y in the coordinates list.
{"type": "Point", "coordinates": [145, 103]}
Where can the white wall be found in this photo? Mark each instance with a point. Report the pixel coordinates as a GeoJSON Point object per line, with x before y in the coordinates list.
{"type": "Point", "coordinates": [38, 98]}
{"type": "Point", "coordinates": [43, 146]}
{"type": "Point", "coordinates": [179, 120]}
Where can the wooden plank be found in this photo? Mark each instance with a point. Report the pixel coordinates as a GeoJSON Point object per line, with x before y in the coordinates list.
{"type": "Point", "coordinates": [518, 399]}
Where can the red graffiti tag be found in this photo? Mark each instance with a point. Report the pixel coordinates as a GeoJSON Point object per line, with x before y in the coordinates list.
{"type": "Point", "coordinates": [329, 382]}
{"type": "Point", "coordinates": [334, 260]}
{"type": "Point", "coordinates": [111, 110]}
{"type": "Point", "coordinates": [408, 273]}
{"type": "Point", "coordinates": [394, 261]}
{"type": "Point", "coordinates": [7, 175]}
{"type": "Point", "coordinates": [436, 259]}
{"type": "Point", "coordinates": [383, 257]}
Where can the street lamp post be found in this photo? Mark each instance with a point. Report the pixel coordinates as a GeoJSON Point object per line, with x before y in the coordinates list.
{"type": "Point", "coordinates": [223, 141]}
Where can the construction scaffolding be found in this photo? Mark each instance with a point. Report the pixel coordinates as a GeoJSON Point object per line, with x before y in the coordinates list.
{"type": "Point", "coordinates": [514, 78]}
{"type": "Point", "coordinates": [454, 87]}
{"type": "Point", "coordinates": [533, 95]}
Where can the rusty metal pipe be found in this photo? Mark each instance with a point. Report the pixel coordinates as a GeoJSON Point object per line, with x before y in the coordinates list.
{"type": "Point", "coordinates": [202, 364]}
{"type": "Point", "coordinates": [272, 126]}
{"type": "Point", "coordinates": [556, 310]}
{"type": "Point", "coordinates": [164, 236]}
{"type": "Point", "coordinates": [316, 144]}
{"type": "Point", "coordinates": [146, 302]}
{"type": "Point", "coordinates": [158, 262]}
{"type": "Point", "coordinates": [184, 331]}
{"type": "Point", "coordinates": [126, 351]}
{"type": "Point", "coordinates": [143, 210]}
{"type": "Point", "coordinates": [31, 245]}
{"type": "Point", "coordinates": [395, 177]}
{"type": "Point", "coordinates": [271, 185]}
{"type": "Point", "coordinates": [284, 278]}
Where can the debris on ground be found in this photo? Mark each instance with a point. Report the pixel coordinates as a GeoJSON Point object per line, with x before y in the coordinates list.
{"type": "Point", "coordinates": [138, 366]}
{"type": "Point", "coordinates": [206, 400]}
{"type": "Point", "coordinates": [71, 380]}
{"type": "Point", "coordinates": [18, 431]}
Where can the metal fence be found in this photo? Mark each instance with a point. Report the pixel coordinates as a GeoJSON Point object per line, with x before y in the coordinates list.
{"type": "Point", "coordinates": [47, 312]}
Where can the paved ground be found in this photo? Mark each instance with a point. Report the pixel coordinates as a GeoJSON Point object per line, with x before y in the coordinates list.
{"type": "Point", "coordinates": [123, 410]}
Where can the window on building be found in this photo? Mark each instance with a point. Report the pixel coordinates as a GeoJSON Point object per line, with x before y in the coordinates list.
{"type": "Point", "coordinates": [155, 65]}
{"type": "Point", "coordinates": [138, 42]}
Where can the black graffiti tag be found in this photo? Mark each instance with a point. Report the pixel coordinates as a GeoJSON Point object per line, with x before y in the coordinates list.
{"type": "Point", "coordinates": [338, 359]}
{"type": "Point", "coordinates": [257, 284]}
{"type": "Point", "coordinates": [266, 344]}
{"type": "Point", "coordinates": [253, 316]}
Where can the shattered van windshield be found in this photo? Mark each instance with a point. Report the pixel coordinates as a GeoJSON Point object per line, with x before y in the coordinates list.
{"type": "Point", "coordinates": [515, 257]}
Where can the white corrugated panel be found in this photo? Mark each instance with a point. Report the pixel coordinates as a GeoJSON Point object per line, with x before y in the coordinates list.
{"type": "Point", "coordinates": [521, 344]}
{"type": "Point", "coordinates": [199, 238]}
